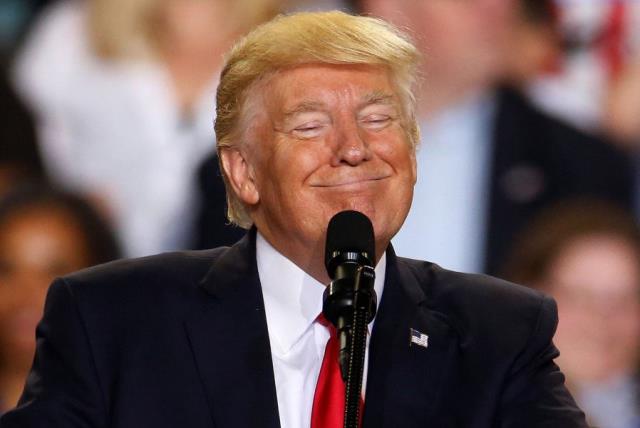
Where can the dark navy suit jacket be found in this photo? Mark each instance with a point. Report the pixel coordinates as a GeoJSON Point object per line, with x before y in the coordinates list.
{"type": "Point", "coordinates": [180, 340]}
{"type": "Point", "coordinates": [538, 161]}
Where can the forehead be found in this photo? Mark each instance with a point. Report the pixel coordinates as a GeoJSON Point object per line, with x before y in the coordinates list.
{"type": "Point", "coordinates": [598, 262]}
{"type": "Point", "coordinates": [328, 84]}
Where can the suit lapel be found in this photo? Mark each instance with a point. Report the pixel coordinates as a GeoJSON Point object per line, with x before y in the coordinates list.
{"type": "Point", "coordinates": [405, 380]}
{"type": "Point", "coordinates": [230, 342]}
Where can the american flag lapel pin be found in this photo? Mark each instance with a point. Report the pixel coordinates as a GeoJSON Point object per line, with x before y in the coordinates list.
{"type": "Point", "coordinates": [419, 338]}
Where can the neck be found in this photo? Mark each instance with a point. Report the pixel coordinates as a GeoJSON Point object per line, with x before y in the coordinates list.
{"type": "Point", "coordinates": [310, 258]}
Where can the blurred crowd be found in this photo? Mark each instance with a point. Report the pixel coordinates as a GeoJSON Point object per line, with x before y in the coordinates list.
{"type": "Point", "coordinates": [528, 165]}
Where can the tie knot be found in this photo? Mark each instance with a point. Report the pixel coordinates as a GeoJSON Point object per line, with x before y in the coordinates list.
{"type": "Point", "coordinates": [325, 322]}
{"type": "Point", "coordinates": [322, 320]}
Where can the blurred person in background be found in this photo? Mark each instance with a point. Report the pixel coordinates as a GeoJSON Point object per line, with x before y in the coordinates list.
{"type": "Point", "coordinates": [622, 107]}
{"type": "Point", "coordinates": [212, 228]}
{"type": "Point", "coordinates": [43, 234]}
{"type": "Point", "coordinates": [19, 155]}
{"type": "Point", "coordinates": [586, 255]}
{"type": "Point", "coordinates": [123, 89]}
{"type": "Point", "coordinates": [599, 40]}
{"type": "Point", "coordinates": [489, 160]}
{"type": "Point", "coordinates": [622, 116]}
{"type": "Point", "coordinates": [534, 45]}
{"type": "Point", "coordinates": [595, 80]}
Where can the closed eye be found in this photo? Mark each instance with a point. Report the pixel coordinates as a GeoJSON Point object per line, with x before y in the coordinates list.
{"type": "Point", "coordinates": [309, 130]}
{"type": "Point", "coordinates": [376, 121]}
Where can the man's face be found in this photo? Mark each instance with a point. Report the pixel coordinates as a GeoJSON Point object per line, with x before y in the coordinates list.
{"type": "Point", "coordinates": [325, 139]}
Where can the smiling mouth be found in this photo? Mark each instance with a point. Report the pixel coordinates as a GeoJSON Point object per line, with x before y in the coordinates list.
{"type": "Point", "coordinates": [351, 183]}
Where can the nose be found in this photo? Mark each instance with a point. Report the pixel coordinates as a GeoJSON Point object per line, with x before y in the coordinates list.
{"type": "Point", "coordinates": [351, 145]}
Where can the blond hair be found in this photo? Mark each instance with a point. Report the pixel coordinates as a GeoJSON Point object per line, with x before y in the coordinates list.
{"type": "Point", "coordinates": [130, 29]}
{"type": "Point", "coordinates": [304, 38]}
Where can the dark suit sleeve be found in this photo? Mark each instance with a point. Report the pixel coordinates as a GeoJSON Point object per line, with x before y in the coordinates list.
{"type": "Point", "coordinates": [535, 395]}
{"type": "Point", "coordinates": [62, 390]}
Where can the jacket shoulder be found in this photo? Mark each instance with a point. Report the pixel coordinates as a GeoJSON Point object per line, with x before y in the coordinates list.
{"type": "Point", "coordinates": [445, 286]}
{"type": "Point", "coordinates": [479, 305]}
{"type": "Point", "coordinates": [157, 271]}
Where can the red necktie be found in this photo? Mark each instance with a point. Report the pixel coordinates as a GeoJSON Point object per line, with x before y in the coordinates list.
{"type": "Point", "coordinates": [328, 401]}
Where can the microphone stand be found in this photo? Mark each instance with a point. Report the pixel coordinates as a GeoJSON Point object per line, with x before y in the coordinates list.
{"type": "Point", "coordinates": [350, 305]}
{"type": "Point", "coordinates": [364, 307]}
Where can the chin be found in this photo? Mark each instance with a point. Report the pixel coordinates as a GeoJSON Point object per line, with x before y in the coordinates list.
{"type": "Point", "coordinates": [387, 215]}
{"type": "Point", "coordinates": [358, 203]}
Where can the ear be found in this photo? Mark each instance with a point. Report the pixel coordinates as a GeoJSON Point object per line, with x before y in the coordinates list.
{"type": "Point", "coordinates": [414, 165]}
{"type": "Point", "coordinates": [240, 175]}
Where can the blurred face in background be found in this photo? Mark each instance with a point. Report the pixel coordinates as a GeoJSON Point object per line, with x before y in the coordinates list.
{"type": "Point", "coordinates": [462, 39]}
{"type": "Point", "coordinates": [37, 244]}
{"type": "Point", "coordinates": [192, 22]}
{"type": "Point", "coordinates": [534, 46]}
{"type": "Point", "coordinates": [464, 36]}
{"type": "Point", "coordinates": [200, 24]}
{"type": "Point", "coordinates": [596, 282]}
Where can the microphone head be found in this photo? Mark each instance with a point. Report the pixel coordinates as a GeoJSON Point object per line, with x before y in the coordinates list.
{"type": "Point", "coordinates": [349, 232]}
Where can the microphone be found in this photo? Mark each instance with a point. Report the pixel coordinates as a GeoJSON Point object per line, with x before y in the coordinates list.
{"type": "Point", "coordinates": [349, 302]}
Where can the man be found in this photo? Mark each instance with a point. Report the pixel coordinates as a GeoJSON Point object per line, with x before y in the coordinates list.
{"type": "Point", "coordinates": [315, 115]}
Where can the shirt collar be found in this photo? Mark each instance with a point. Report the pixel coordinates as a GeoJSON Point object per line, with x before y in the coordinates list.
{"type": "Point", "coordinates": [292, 298]}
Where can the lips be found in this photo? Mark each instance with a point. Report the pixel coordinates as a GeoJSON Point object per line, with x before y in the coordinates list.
{"type": "Point", "coordinates": [345, 177]}
{"type": "Point", "coordinates": [349, 181]}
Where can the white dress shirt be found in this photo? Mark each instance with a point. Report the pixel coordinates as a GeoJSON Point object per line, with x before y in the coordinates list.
{"type": "Point", "coordinates": [293, 301]}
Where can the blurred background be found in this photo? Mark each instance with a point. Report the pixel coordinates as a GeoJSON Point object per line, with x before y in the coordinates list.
{"type": "Point", "coordinates": [529, 163]}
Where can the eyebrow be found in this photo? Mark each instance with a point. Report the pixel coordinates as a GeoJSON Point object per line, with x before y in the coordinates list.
{"type": "Point", "coordinates": [378, 97]}
{"type": "Point", "coordinates": [375, 97]}
{"type": "Point", "coordinates": [305, 107]}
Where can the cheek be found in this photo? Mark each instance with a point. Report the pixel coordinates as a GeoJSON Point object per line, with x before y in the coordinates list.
{"type": "Point", "coordinates": [400, 157]}
{"type": "Point", "coordinates": [281, 182]}
{"type": "Point", "coordinates": [292, 165]}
